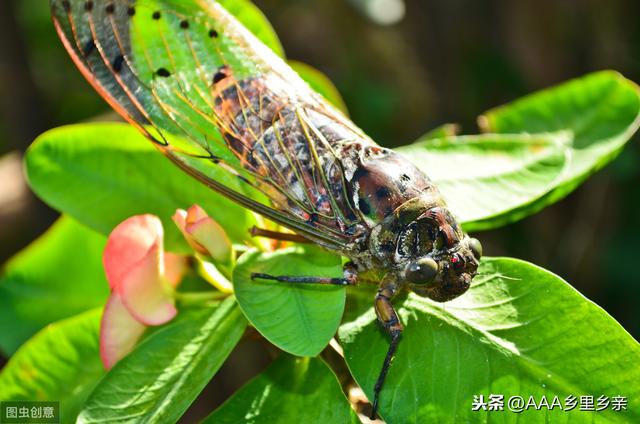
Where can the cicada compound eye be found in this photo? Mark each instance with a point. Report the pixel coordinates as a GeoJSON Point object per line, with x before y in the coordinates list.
{"type": "Point", "coordinates": [422, 271]}
{"type": "Point", "coordinates": [476, 248]}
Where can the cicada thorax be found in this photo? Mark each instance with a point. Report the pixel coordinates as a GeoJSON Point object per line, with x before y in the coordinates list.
{"type": "Point", "coordinates": [419, 227]}
{"type": "Point", "coordinates": [381, 180]}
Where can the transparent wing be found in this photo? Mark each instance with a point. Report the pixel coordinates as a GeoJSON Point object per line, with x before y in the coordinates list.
{"type": "Point", "coordinates": [221, 105]}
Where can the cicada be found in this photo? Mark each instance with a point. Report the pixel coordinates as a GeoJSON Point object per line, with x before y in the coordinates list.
{"type": "Point", "coordinates": [230, 112]}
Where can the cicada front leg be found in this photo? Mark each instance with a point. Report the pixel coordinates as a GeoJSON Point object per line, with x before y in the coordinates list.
{"type": "Point", "coordinates": [388, 319]}
{"type": "Point", "coordinates": [349, 278]}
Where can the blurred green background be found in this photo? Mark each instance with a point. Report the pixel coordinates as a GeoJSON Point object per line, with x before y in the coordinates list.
{"type": "Point", "coordinates": [403, 68]}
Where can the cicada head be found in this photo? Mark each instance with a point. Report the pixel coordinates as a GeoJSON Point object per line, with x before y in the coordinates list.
{"type": "Point", "coordinates": [431, 254]}
{"type": "Point", "coordinates": [443, 276]}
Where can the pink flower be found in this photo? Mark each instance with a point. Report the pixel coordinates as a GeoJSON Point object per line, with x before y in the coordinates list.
{"type": "Point", "coordinates": [142, 278]}
{"type": "Point", "coordinates": [204, 234]}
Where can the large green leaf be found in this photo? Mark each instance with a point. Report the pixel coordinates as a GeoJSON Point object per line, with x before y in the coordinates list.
{"type": "Point", "coordinates": [490, 179]}
{"type": "Point", "coordinates": [60, 363]}
{"type": "Point", "coordinates": [158, 381]}
{"type": "Point", "coordinates": [599, 113]}
{"type": "Point", "coordinates": [57, 276]}
{"type": "Point", "coordinates": [291, 390]}
{"type": "Point", "coordinates": [103, 173]}
{"type": "Point", "coordinates": [519, 330]}
{"type": "Point", "coordinates": [298, 318]}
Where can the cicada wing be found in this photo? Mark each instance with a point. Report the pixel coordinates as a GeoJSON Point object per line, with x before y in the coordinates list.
{"type": "Point", "coordinates": [220, 104]}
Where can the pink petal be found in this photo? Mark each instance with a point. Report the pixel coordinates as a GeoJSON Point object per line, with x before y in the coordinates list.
{"type": "Point", "coordinates": [203, 234]}
{"type": "Point", "coordinates": [180, 219]}
{"type": "Point", "coordinates": [195, 213]}
{"type": "Point", "coordinates": [175, 267]}
{"type": "Point", "coordinates": [145, 293]}
{"type": "Point", "coordinates": [119, 332]}
{"type": "Point", "coordinates": [209, 234]}
{"type": "Point", "coordinates": [129, 243]}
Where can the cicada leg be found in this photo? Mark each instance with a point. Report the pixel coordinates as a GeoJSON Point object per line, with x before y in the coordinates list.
{"type": "Point", "coordinates": [388, 319]}
{"type": "Point", "coordinates": [349, 278]}
{"type": "Point", "coordinates": [276, 235]}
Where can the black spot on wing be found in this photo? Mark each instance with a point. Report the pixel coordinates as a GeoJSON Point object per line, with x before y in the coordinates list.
{"type": "Point", "coordinates": [219, 76]}
{"type": "Point", "coordinates": [156, 15]}
{"type": "Point", "coordinates": [110, 8]}
{"type": "Point", "coordinates": [131, 11]}
{"type": "Point", "coordinates": [184, 24]}
{"type": "Point", "coordinates": [66, 5]}
{"type": "Point", "coordinates": [89, 47]}
{"type": "Point", "coordinates": [118, 61]}
{"type": "Point", "coordinates": [163, 72]}
{"type": "Point", "coordinates": [88, 6]}
{"type": "Point", "coordinates": [213, 33]}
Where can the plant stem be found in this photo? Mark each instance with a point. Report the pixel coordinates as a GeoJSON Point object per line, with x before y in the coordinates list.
{"type": "Point", "coordinates": [197, 297]}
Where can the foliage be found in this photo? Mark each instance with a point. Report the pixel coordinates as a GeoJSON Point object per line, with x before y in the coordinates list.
{"type": "Point", "coordinates": [61, 362]}
{"type": "Point", "coordinates": [300, 321]}
{"type": "Point", "coordinates": [44, 283]}
{"type": "Point", "coordinates": [519, 330]}
{"type": "Point", "coordinates": [169, 369]}
{"type": "Point", "coordinates": [291, 389]}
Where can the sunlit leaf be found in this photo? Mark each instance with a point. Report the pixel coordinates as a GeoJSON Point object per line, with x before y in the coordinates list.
{"type": "Point", "coordinates": [298, 318]}
{"type": "Point", "coordinates": [519, 330]}
{"type": "Point", "coordinates": [490, 179]}
{"type": "Point", "coordinates": [61, 363]}
{"type": "Point", "coordinates": [102, 174]}
{"type": "Point", "coordinates": [300, 390]}
{"type": "Point", "coordinates": [593, 117]}
{"type": "Point", "coordinates": [167, 371]}
{"type": "Point", "coordinates": [57, 276]}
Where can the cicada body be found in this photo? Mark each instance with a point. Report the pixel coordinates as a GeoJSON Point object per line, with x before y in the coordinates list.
{"type": "Point", "coordinates": [227, 110]}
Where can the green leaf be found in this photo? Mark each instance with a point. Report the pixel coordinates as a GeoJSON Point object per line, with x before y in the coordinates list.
{"type": "Point", "coordinates": [57, 276]}
{"type": "Point", "coordinates": [158, 381]}
{"type": "Point", "coordinates": [298, 318]}
{"type": "Point", "coordinates": [291, 390]}
{"type": "Point", "coordinates": [60, 363]}
{"type": "Point", "coordinates": [251, 17]}
{"type": "Point", "coordinates": [490, 179]}
{"type": "Point", "coordinates": [102, 174]}
{"type": "Point", "coordinates": [599, 113]}
{"type": "Point", "coordinates": [320, 83]}
{"type": "Point", "coordinates": [519, 330]}
{"type": "Point", "coordinates": [445, 130]}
